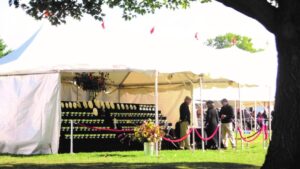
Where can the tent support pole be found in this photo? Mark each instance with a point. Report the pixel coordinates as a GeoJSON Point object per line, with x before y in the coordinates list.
{"type": "Point", "coordinates": [202, 112]}
{"type": "Point", "coordinates": [156, 107]}
{"type": "Point", "coordinates": [235, 119]}
{"type": "Point", "coordinates": [71, 137]}
{"type": "Point", "coordinates": [255, 120]}
{"type": "Point", "coordinates": [193, 117]}
{"type": "Point", "coordinates": [241, 114]}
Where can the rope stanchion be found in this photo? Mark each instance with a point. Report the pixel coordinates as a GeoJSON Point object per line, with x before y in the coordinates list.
{"type": "Point", "coordinates": [265, 132]}
{"type": "Point", "coordinates": [248, 137]}
{"type": "Point", "coordinates": [208, 138]}
{"type": "Point", "coordinates": [104, 129]}
{"type": "Point", "coordinates": [253, 139]}
{"type": "Point", "coordinates": [178, 140]}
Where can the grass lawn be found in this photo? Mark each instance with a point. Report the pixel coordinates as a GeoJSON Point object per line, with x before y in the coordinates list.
{"type": "Point", "coordinates": [248, 158]}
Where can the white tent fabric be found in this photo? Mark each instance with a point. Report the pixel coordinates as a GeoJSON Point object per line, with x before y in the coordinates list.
{"type": "Point", "coordinates": [30, 117]}
{"type": "Point", "coordinates": [52, 50]}
{"type": "Point", "coordinates": [247, 94]}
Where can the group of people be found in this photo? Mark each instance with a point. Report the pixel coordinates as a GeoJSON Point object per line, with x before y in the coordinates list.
{"type": "Point", "coordinates": [213, 118]}
{"type": "Point", "coordinates": [248, 118]}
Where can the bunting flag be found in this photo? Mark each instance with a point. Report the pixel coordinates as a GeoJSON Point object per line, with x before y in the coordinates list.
{"type": "Point", "coordinates": [196, 36]}
{"type": "Point", "coordinates": [152, 30]}
{"type": "Point", "coordinates": [103, 25]}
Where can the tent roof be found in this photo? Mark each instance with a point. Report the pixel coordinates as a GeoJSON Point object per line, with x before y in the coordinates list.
{"type": "Point", "coordinates": [50, 50]}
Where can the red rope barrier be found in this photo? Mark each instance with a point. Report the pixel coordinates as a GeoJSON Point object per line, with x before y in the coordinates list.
{"type": "Point", "coordinates": [178, 140]}
{"type": "Point", "coordinates": [102, 129]}
{"type": "Point", "coordinates": [265, 132]}
{"type": "Point", "coordinates": [244, 139]}
{"type": "Point", "coordinates": [208, 138]}
{"type": "Point", "coordinates": [254, 134]}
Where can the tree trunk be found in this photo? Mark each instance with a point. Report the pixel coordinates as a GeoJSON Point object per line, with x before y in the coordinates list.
{"type": "Point", "coordinates": [284, 150]}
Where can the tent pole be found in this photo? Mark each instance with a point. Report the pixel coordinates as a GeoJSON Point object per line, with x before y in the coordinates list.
{"type": "Point", "coordinates": [156, 107]}
{"type": "Point", "coordinates": [202, 112]}
{"type": "Point", "coordinates": [241, 116]}
{"type": "Point", "coordinates": [270, 116]}
{"type": "Point", "coordinates": [193, 117]}
{"type": "Point", "coordinates": [255, 120]}
{"type": "Point", "coordinates": [71, 137]}
{"type": "Point", "coordinates": [235, 120]}
{"type": "Point", "coordinates": [235, 114]}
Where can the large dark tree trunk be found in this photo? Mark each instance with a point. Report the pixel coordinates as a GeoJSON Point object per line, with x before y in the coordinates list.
{"type": "Point", "coordinates": [284, 150]}
{"type": "Point", "coordinates": [284, 21]}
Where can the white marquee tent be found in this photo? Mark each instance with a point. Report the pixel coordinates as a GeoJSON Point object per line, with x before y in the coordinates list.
{"type": "Point", "coordinates": [34, 79]}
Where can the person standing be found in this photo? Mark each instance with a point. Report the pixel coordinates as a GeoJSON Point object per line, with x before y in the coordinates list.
{"type": "Point", "coordinates": [200, 114]}
{"type": "Point", "coordinates": [185, 121]}
{"type": "Point", "coordinates": [227, 116]}
{"type": "Point", "coordinates": [211, 124]}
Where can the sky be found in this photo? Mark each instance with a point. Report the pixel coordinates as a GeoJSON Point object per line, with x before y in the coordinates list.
{"type": "Point", "coordinates": [209, 20]}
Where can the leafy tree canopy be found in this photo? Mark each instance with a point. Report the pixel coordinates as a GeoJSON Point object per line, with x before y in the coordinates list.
{"type": "Point", "coordinates": [230, 39]}
{"type": "Point", "coordinates": [56, 11]}
{"type": "Point", "coordinates": [3, 49]}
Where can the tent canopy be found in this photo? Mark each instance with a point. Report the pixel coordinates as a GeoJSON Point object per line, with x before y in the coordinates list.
{"type": "Point", "coordinates": [63, 49]}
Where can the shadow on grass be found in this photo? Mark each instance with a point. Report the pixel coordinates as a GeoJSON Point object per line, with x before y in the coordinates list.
{"type": "Point", "coordinates": [41, 155]}
{"type": "Point", "coordinates": [204, 165]}
{"type": "Point", "coordinates": [115, 155]}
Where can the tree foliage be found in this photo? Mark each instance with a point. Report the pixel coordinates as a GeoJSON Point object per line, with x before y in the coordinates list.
{"type": "Point", "coordinates": [56, 11]}
{"type": "Point", "coordinates": [3, 49]}
{"type": "Point", "coordinates": [230, 39]}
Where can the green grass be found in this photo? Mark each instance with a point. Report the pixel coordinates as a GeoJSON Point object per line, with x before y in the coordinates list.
{"type": "Point", "coordinates": [250, 157]}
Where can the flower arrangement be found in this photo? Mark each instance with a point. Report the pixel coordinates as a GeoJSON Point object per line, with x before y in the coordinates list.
{"type": "Point", "coordinates": [148, 132]}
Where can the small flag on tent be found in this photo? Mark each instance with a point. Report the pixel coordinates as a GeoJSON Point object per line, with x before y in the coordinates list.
{"type": "Point", "coordinates": [196, 36]}
{"type": "Point", "coordinates": [103, 25]}
{"type": "Point", "coordinates": [152, 30]}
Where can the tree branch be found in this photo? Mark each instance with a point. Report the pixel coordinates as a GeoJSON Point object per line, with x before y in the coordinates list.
{"type": "Point", "coordinates": [260, 10]}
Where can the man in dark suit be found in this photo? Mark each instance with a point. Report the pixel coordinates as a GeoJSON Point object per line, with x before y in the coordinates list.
{"type": "Point", "coordinates": [227, 116]}
{"type": "Point", "coordinates": [185, 121]}
{"type": "Point", "coordinates": [211, 124]}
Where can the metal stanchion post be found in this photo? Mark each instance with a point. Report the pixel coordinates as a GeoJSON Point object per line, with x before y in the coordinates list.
{"type": "Point", "coordinates": [250, 123]}
{"type": "Point", "coordinates": [263, 131]}
{"type": "Point", "coordinates": [202, 113]}
{"type": "Point", "coordinates": [71, 138]}
{"type": "Point", "coordinates": [194, 141]}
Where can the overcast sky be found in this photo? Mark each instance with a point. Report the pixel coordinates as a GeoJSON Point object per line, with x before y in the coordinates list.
{"type": "Point", "coordinates": [209, 20]}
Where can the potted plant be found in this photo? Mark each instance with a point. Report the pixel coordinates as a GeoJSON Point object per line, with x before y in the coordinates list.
{"type": "Point", "coordinates": [148, 133]}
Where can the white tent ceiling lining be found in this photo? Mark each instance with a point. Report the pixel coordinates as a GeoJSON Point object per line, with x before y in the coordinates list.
{"type": "Point", "coordinates": [131, 79]}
